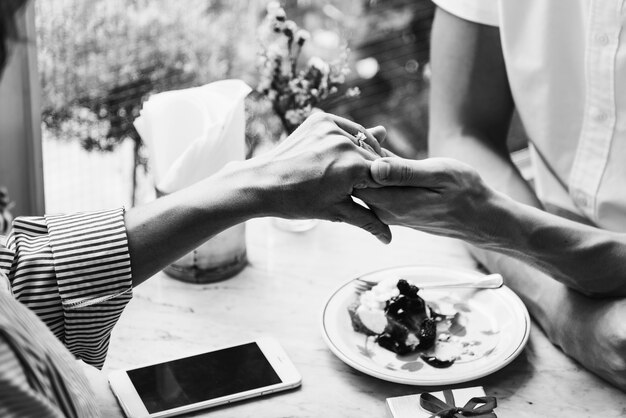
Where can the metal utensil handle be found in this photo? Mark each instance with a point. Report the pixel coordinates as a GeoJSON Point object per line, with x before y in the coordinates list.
{"type": "Point", "coordinates": [491, 281]}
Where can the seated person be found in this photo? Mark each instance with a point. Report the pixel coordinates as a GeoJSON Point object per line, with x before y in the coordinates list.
{"type": "Point", "coordinates": [569, 88]}
{"type": "Point", "coordinates": [67, 278]}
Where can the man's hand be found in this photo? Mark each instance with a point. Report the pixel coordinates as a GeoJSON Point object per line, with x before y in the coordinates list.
{"type": "Point", "coordinates": [437, 195]}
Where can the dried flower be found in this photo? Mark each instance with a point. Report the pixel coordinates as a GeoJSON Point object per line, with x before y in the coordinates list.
{"type": "Point", "coordinates": [302, 36]}
{"type": "Point", "coordinates": [294, 92]}
{"type": "Point", "coordinates": [290, 29]}
{"type": "Point", "coordinates": [353, 92]}
{"type": "Point", "coordinates": [272, 7]}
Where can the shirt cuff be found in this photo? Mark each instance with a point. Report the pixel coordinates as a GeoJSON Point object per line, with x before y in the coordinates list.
{"type": "Point", "coordinates": [92, 269]}
{"type": "Point", "coordinates": [484, 12]}
{"type": "Point", "coordinates": [91, 259]}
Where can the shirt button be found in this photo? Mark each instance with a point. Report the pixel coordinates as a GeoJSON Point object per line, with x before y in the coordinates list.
{"type": "Point", "coordinates": [581, 199]}
{"type": "Point", "coordinates": [602, 38]}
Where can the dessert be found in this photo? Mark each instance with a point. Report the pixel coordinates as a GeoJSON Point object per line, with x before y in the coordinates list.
{"type": "Point", "coordinates": [438, 331]}
{"type": "Point", "coordinates": [396, 316]}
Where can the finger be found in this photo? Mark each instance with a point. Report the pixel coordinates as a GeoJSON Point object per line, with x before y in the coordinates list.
{"type": "Point", "coordinates": [371, 151]}
{"type": "Point", "coordinates": [354, 128]}
{"type": "Point", "coordinates": [379, 132]}
{"type": "Point", "coordinates": [364, 179]}
{"type": "Point", "coordinates": [374, 198]}
{"type": "Point", "coordinates": [382, 196]}
{"type": "Point", "coordinates": [396, 171]}
{"type": "Point", "coordinates": [387, 153]}
{"type": "Point", "coordinates": [359, 216]}
{"type": "Point", "coordinates": [366, 150]}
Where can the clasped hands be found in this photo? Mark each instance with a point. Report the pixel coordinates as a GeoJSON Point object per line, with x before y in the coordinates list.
{"type": "Point", "coordinates": [317, 170]}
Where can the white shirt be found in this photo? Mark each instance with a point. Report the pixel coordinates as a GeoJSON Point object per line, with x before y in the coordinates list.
{"type": "Point", "coordinates": [566, 63]}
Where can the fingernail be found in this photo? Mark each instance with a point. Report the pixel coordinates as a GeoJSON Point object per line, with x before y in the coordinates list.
{"type": "Point", "coordinates": [384, 238]}
{"type": "Point", "coordinates": [382, 170]}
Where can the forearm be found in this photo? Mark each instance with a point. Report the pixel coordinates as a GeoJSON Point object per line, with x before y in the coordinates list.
{"type": "Point", "coordinates": [585, 258]}
{"type": "Point", "coordinates": [471, 105]}
{"type": "Point", "coordinates": [582, 257]}
{"type": "Point", "coordinates": [492, 163]}
{"type": "Point", "coordinates": [171, 226]}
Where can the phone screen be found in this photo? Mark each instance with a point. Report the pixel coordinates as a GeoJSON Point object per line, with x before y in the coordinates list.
{"type": "Point", "coordinates": [202, 377]}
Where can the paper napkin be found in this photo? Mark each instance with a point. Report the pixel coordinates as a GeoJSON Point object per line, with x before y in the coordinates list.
{"type": "Point", "coordinates": [409, 406]}
{"type": "Point", "coordinates": [192, 133]}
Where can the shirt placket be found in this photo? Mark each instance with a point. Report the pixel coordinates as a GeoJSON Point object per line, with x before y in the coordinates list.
{"type": "Point", "coordinates": [599, 114]}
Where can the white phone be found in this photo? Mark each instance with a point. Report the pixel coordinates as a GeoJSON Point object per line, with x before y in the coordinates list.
{"type": "Point", "coordinates": [205, 380]}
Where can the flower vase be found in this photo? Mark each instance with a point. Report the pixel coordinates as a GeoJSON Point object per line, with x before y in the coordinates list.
{"type": "Point", "coordinates": [221, 257]}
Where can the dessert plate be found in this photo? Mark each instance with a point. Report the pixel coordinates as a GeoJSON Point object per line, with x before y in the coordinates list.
{"type": "Point", "coordinates": [492, 329]}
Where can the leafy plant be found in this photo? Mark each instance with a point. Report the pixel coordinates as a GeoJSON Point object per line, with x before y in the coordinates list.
{"type": "Point", "coordinates": [99, 60]}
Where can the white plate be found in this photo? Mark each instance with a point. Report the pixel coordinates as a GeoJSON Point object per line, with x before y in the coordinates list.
{"type": "Point", "coordinates": [497, 326]}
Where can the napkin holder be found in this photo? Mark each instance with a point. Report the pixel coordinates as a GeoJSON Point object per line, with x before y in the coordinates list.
{"type": "Point", "coordinates": [221, 257]}
{"type": "Point", "coordinates": [191, 134]}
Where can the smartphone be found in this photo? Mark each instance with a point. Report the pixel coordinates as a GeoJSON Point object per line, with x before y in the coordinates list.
{"type": "Point", "coordinates": [205, 380]}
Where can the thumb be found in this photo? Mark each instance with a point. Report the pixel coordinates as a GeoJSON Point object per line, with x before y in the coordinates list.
{"type": "Point", "coordinates": [352, 213]}
{"type": "Point", "coordinates": [394, 172]}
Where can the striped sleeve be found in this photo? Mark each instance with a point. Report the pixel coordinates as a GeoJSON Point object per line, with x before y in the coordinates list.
{"type": "Point", "coordinates": [74, 272]}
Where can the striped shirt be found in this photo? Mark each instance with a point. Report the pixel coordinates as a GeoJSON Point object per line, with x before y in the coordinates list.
{"type": "Point", "coordinates": [71, 273]}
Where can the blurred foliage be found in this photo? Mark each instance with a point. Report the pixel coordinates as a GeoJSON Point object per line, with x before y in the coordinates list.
{"type": "Point", "coordinates": [100, 59]}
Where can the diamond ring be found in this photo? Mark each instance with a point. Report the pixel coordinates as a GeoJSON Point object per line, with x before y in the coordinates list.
{"type": "Point", "coordinates": [360, 137]}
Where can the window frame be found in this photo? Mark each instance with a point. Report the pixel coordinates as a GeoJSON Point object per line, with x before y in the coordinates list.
{"type": "Point", "coordinates": [21, 161]}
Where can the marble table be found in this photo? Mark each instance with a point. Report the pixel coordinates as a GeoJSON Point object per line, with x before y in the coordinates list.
{"type": "Point", "coordinates": [281, 294]}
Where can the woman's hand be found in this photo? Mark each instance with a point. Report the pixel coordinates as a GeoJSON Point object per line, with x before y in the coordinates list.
{"type": "Point", "coordinates": [104, 397]}
{"type": "Point", "coordinates": [309, 175]}
{"type": "Point", "coordinates": [313, 173]}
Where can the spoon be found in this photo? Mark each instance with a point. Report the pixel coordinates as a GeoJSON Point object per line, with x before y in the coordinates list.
{"type": "Point", "coordinates": [490, 281]}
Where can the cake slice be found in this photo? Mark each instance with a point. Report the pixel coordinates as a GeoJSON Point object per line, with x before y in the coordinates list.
{"type": "Point", "coordinates": [396, 315]}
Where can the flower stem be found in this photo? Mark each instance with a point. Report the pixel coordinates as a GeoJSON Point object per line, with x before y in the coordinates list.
{"type": "Point", "coordinates": [286, 125]}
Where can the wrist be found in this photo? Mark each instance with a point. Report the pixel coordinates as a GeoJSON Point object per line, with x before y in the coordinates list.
{"type": "Point", "coordinates": [250, 187]}
{"type": "Point", "coordinates": [498, 226]}
{"type": "Point", "coordinates": [236, 191]}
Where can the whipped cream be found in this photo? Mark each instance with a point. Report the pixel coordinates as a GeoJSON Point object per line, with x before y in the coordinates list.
{"type": "Point", "coordinates": [371, 310]}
